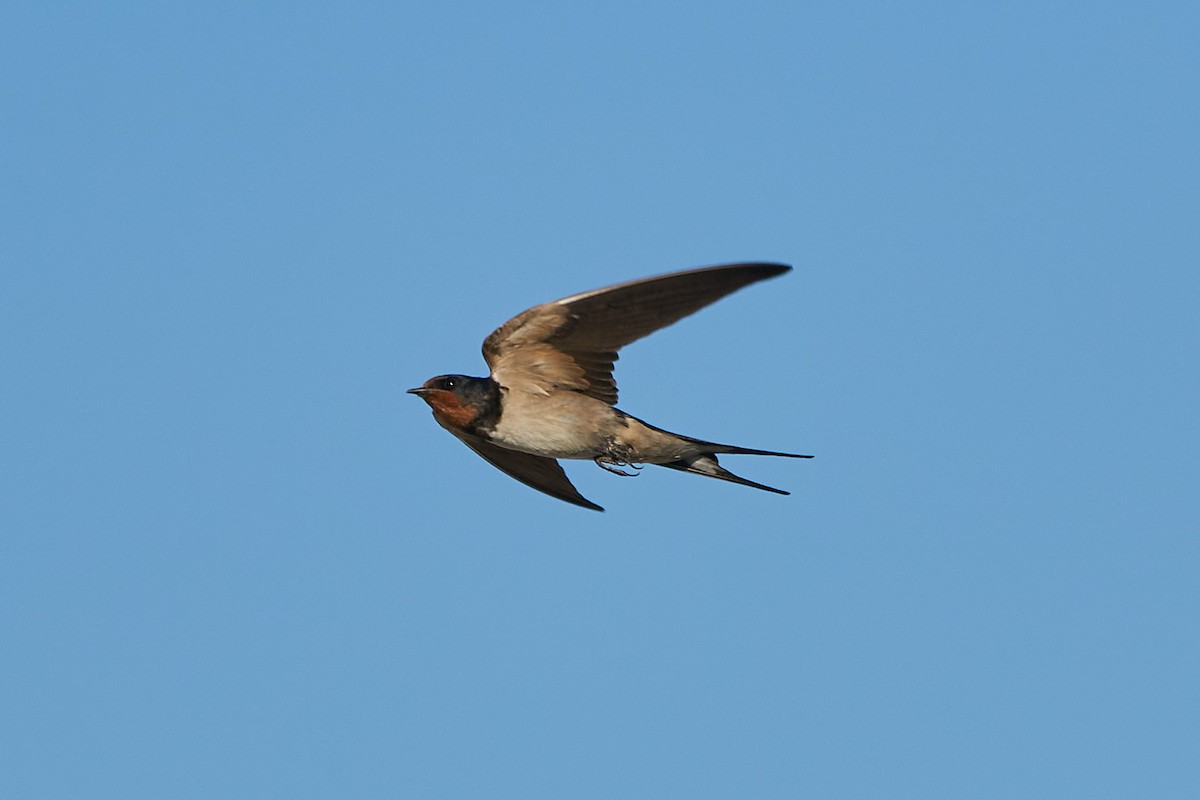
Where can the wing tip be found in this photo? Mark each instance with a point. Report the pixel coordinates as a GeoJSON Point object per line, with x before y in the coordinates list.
{"type": "Point", "coordinates": [768, 269]}
{"type": "Point", "coordinates": [583, 502]}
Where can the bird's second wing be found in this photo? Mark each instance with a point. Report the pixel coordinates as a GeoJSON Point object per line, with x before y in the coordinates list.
{"type": "Point", "coordinates": [538, 472]}
{"type": "Point", "coordinates": [572, 343]}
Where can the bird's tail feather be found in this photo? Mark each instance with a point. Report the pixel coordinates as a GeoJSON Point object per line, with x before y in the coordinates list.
{"type": "Point", "coordinates": [748, 451]}
{"type": "Point", "coordinates": [706, 464]}
{"type": "Point", "coordinates": [714, 447]}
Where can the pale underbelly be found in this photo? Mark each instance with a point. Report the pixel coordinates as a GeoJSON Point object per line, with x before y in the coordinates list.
{"type": "Point", "coordinates": [577, 427]}
{"type": "Point", "coordinates": [556, 428]}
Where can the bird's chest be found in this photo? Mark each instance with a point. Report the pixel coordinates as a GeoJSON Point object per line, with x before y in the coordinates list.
{"type": "Point", "coordinates": [563, 425]}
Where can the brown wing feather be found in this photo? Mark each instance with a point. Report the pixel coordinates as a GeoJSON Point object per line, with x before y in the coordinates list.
{"type": "Point", "coordinates": [544, 474]}
{"type": "Point", "coordinates": [572, 343]}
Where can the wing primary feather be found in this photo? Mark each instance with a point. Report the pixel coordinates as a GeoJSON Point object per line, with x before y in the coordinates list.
{"type": "Point", "coordinates": [573, 342]}
{"type": "Point", "coordinates": [537, 472]}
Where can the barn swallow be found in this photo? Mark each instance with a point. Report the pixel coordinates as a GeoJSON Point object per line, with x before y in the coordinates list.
{"type": "Point", "coordinates": [551, 392]}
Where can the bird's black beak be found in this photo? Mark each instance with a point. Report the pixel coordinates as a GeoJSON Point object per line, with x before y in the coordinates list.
{"type": "Point", "coordinates": [420, 391]}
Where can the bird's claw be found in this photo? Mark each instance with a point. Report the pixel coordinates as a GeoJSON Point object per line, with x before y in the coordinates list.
{"type": "Point", "coordinates": [614, 467]}
{"type": "Point", "coordinates": [618, 456]}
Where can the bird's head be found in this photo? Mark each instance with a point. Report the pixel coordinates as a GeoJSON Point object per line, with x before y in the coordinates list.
{"type": "Point", "coordinates": [460, 401]}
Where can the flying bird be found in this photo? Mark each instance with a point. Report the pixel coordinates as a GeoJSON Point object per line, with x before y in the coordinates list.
{"type": "Point", "coordinates": [551, 392]}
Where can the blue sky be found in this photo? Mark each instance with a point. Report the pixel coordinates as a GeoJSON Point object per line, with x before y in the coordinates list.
{"type": "Point", "coordinates": [238, 561]}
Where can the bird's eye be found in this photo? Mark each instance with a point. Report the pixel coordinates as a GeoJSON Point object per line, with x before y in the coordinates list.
{"type": "Point", "coordinates": [449, 383]}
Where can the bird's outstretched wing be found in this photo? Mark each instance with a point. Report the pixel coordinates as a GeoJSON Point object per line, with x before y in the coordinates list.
{"type": "Point", "coordinates": [541, 473]}
{"type": "Point", "coordinates": [572, 343]}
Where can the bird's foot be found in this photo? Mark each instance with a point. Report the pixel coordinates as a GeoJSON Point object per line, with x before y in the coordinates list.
{"type": "Point", "coordinates": [615, 467]}
{"type": "Point", "coordinates": [618, 455]}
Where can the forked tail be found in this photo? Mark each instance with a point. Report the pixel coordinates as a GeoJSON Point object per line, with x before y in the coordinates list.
{"type": "Point", "coordinates": [706, 464]}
